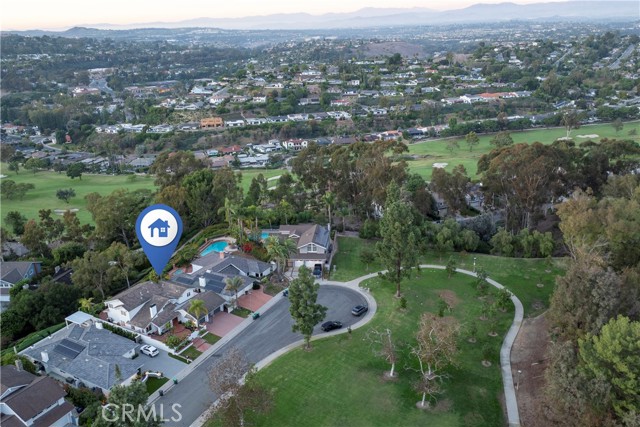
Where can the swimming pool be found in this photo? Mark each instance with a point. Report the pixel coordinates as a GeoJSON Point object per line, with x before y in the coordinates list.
{"type": "Point", "coordinates": [218, 246]}
{"type": "Point", "coordinates": [264, 236]}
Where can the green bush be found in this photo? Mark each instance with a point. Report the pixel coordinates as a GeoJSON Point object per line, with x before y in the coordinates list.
{"type": "Point", "coordinates": [119, 331]}
{"type": "Point", "coordinates": [369, 229]}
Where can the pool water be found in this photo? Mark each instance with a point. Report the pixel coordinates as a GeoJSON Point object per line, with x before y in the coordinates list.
{"type": "Point", "coordinates": [218, 246]}
{"type": "Point", "coordinates": [264, 236]}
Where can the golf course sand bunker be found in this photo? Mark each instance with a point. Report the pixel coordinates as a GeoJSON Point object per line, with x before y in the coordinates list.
{"type": "Point", "coordinates": [62, 211]}
{"type": "Point", "coordinates": [593, 135]}
{"type": "Point", "coordinates": [440, 165]}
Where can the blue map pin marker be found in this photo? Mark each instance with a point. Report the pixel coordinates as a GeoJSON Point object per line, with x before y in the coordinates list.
{"type": "Point", "coordinates": [159, 228]}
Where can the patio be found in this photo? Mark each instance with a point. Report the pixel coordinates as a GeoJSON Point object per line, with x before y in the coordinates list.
{"type": "Point", "coordinates": [177, 329]}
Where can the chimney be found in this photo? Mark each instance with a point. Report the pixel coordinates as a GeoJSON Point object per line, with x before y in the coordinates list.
{"type": "Point", "coordinates": [45, 356]}
{"type": "Point", "coordinates": [203, 281]}
{"type": "Point", "coordinates": [18, 365]}
{"type": "Point", "coordinates": [153, 310]}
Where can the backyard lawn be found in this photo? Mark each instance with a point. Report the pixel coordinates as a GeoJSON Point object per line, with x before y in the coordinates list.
{"type": "Point", "coordinates": [435, 151]}
{"type": "Point", "coordinates": [340, 383]}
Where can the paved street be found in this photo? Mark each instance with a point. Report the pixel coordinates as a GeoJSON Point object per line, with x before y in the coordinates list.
{"type": "Point", "coordinates": [261, 338]}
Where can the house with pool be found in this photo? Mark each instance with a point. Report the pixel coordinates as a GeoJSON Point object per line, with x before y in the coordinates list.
{"type": "Point", "coordinates": [210, 272]}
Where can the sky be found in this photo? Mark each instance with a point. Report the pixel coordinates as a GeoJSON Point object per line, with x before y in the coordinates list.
{"type": "Point", "coordinates": [63, 14]}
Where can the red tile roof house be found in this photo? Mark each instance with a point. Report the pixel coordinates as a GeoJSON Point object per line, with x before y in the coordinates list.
{"type": "Point", "coordinates": [28, 400]}
{"type": "Point", "coordinates": [231, 150]}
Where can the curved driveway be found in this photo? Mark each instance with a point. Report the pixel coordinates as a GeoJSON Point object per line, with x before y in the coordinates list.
{"type": "Point", "coordinates": [259, 339]}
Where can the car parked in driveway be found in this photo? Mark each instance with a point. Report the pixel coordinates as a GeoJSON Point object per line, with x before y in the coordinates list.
{"type": "Point", "coordinates": [359, 310]}
{"type": "Point", "coordinates": [149, 350]}
{"type": "Point", "coordinates": [331, 325]}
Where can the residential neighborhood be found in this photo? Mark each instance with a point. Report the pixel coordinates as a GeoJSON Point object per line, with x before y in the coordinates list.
{"type": "Point", "coordinates": [417, 214]}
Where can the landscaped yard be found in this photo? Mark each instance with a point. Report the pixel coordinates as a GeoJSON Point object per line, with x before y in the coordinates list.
{"type": "Point", "coordinates": [339, 383]}
{"type": "Point", "coordinates": [191, 352]}
{"type": "Point", "coordinates": [437, 152]}
{"type": "Point", "coordinates": [210, 338]}
{"type": "Point", "coordinates": [154, 383]}
{"type": "Point", "coordinates": [241, 312]}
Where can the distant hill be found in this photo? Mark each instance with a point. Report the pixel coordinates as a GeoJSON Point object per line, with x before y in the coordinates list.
{"type": "Point", "coordinates": [580, 10]}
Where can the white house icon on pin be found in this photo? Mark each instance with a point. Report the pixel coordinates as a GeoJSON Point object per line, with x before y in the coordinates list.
{"type": "Point", "coordinates": [161, 226]}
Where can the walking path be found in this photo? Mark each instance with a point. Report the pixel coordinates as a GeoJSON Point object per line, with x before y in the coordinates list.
{"type": "Point", "coordinates": [513, 416]}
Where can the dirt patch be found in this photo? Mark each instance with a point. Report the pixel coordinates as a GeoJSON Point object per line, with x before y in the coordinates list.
{"type": "Point", "coordinates": [449, 297]}
{"type": "Point", "coordinates": [444, 405]}
{"type": "Point", "coordinates": [387, 377]}
{"type": "Point", "coordinates": [528, 364]}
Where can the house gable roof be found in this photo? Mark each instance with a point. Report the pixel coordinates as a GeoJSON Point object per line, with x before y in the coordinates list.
{"type": "Point", "coordinates": [145, 291]}
{"type": "Point", "coordinates": [38, 394]}
{"type": "Point", "coordinates": [96, 362]}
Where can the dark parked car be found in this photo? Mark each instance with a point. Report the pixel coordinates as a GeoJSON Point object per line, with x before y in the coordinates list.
{"type": "Point", "coordinates": [331, 325]}
{"type": "Point", "coordinates": [317, 270]}
{"type": "Point", "coordinates": [285, 293]}
{"type": "Point", "coordinates": [359, 310]}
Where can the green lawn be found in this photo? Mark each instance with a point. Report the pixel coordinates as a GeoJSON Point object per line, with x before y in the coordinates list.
{"type": "Point", "coordinates": [210, 338]}
{"type": "Point", "coordinates": [249, 174]}
{"type": "Point", "coordinates": [339, 383]}
{"type": "Point", "coordinates": [47, 183]}
{"type": "Point", "coordinates": [154, 384]}
{"type": "Point", "coordinates": [192, 352]}
{"type": "Point", "coordinates": [436, 150]}
{"type": "Point", "coordinates": [521, 276]}
{"type": "Point", "coordinates": [242, 312]}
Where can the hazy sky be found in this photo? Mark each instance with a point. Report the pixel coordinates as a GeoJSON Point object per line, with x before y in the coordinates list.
{"type": "Point", "coordinates": [61, 14]}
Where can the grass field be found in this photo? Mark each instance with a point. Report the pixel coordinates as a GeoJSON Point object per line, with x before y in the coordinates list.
{"type": "Point", "coordinates": [339, 382]}
{"type": "Point", "coordinates": [436, 151]}
{"type": "Point", "coordinates": [521, 276]}
{"type": "Point", "coordinates": [47, 183]}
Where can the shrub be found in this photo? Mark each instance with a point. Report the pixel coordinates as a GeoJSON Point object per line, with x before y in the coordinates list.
{"type": "Point", "coordinates": [173, 341]}
{"type": "Point", "coordinates": [369, 229]}
{"type": "Point", "coordinates": [119, 331]}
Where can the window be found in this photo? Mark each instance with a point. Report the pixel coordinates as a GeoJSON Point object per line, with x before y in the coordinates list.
{"type": "Point", "coordinates": [124, 313]}
{"type": "Point", "coordinates": [188, 294]}
{"type": "Point", "coordinates": [313, 248]}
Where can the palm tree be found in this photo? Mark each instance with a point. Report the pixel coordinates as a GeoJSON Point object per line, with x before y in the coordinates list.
{"type": "Point", "coordinates": [86, 304]}
{"type": "Point", "coordinates": [229, 210]}
{"type": "Point", "coordinates": [329, 199]}
{"type": "Point", "coordinates": [279, 250]}
{"type": "Point", "coordinates": [198, 309]}
{"type": "Point", "coordinates": [233, 284]}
